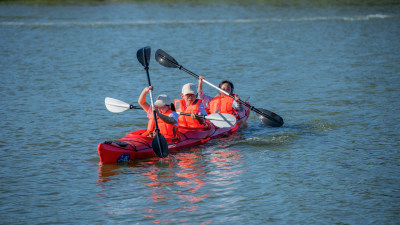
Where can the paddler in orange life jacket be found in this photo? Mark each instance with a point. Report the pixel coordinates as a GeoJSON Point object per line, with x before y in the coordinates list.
{"type": "Point", "coordinates": [190, 104]}
{"type": "Point", "coordinates": [167, 118]}
{"type": "Point", "coordinates": [221, 103]}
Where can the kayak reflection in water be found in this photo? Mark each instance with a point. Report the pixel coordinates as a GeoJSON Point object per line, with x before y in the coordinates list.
{"type": "Point", "coordinates": [192, 105]}
{"type": "Point", "coordinates": [167, 118]}
{"type": "Point", "coordinates": [221, 103]}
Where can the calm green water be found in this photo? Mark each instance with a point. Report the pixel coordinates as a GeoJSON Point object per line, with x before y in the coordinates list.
{"type": "Point", "coordinates": [332, 71]}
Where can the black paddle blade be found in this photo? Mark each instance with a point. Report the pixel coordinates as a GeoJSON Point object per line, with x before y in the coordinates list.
{"type": "Point", "coordinates": [166, 60]}
{"type": "Point", "coordinates": [160, 146]}
{"type": "Point", "coordinates": [143, 55]}
{"type": "Point", "coordinates": [268, 122]}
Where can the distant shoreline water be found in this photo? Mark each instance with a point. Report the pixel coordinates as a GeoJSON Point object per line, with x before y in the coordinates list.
{"type": "Point", "coordinates": [217, 21]}
{"type": "Point", "coordinates": [317, 3]}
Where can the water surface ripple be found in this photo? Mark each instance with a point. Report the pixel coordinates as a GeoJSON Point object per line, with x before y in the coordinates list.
{"type": "Point", "coordinates": [332, 72]}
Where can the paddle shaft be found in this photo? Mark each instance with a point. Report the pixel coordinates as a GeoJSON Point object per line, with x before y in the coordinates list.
{"type": "Point", "coordinates": [158, 134]}
{"type": "Point", "coordinates": [151, 99]}
{"type": "Point", "coordinates": [188, 114]}
{"type": "Point", "coordinates": [226, 93]}
{"type": "Point", "coordinates": [134, 107]}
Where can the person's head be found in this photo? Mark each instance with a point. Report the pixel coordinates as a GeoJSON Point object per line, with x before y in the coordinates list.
{"type": "Point", "coordinates": [189, 93]}
{"type": "Point", "coordinates": [227, 86]}
{"type": "Point", "coordinates": [163, 103]}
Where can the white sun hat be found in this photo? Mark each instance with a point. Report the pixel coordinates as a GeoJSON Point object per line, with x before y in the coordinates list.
{"type": "Point", "coordinates": [189, 88]}
{"type": "Point", "coordinates": [162, 100]}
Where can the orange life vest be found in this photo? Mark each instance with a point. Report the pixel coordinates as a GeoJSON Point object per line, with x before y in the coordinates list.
{"type": "Point", "coordinates": [222, 104]}
{"type": "Point", "coordinates": [187, 121]}
{"type": "Point", "coordinates": [166, 129]}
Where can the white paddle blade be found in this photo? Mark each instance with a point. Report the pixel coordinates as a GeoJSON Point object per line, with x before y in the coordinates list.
{"type": "Point", "coordinates": [115, 105]}
{"type": "Point", "coordinates": [222, 120]}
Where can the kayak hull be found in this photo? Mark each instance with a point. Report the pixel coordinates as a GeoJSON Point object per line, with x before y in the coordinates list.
{"type": "Point", "coordinates": [134, 146]}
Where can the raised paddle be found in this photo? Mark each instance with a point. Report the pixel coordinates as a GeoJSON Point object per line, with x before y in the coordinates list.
{"type": "Point", "coordinates": [117, 106]}
{"type": "Point", "coordinates": [221, 120]}
{"type": "Point", "coordinates": [267, 117]}
{"type": "Point", "coordinates": [159, 144]}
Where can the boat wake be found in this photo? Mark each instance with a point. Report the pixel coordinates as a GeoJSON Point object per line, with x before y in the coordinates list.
{"type": "Point", "coordinates": [269, 140]}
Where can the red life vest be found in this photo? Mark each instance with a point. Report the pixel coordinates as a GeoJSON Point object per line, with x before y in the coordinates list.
{"type": "Point", "coordinates": [222, 104]}
{"type": "Point", "coordinates": [166, 129]}
{"type": "Point", "coordinates": [187, 121]}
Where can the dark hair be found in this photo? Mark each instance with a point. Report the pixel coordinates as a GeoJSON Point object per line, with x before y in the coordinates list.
{"type": "Point", "coordinates": [226, 82]}
{"type": "Point", "coordinates": [173, 107]}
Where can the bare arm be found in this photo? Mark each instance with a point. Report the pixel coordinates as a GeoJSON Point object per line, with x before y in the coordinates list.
{"type": "Point", "coordinates": [165, 118]}
{"type": "Point", "coordinates": [142, 98]}
{"type": "Point", "coordinates": [200, 87]}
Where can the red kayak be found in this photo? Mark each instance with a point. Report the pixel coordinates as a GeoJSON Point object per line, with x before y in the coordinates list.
{"type": "Point", "coordinates": [134, 146]}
